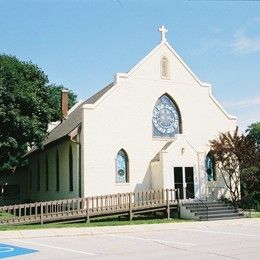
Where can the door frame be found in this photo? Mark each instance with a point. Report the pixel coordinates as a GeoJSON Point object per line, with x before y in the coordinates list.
{"type": "Point", "coordinates": [184, 178]}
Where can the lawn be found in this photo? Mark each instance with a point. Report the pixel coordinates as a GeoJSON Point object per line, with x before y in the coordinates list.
{"type": "Point", "coordinates": [96, 223]}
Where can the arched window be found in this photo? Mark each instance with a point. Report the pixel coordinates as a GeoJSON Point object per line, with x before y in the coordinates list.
{"type": "Point", "coordinates": [166, 118]}
{"type": "Point", "coordinates": [122, 167]}
{"type": "Point", "coordinates": [210, 167]}
{"type": "Point", "coordinates": [57, 171]}
{"type": "Point", "coordinates": [38, 175]}
{"type": "Point", "coordinates": [46, 173]}
{"type": "Point", "coordinates": [71, 169]}
{"type": "Point", "coordinates": [30, 183]}
{"type": "Point", "coordinates": [165, 68]}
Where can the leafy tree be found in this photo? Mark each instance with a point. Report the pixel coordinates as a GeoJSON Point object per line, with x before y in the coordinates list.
{"type": "Point", "coordinates": [250, 186]}
{"type": "Point", "coordinates": [233, 153]}
{"type": "Point", "coordinates": [254, 132]}
{"type": "Point", "coordinates": [27, 106]}
{"type": "Point", "coordinates": [250, 175]}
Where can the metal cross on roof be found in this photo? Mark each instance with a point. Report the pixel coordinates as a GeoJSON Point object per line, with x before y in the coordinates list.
{"type": "Point", "coordinates": [163, 31]}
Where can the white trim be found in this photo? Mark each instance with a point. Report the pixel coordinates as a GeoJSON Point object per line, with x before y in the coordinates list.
{"type": "Point", "coordinates": [121, 76]}
{"type": "Point", "coordinates": [219, 106]}
{"type": "Point", "coordinates": [144, 59]}
{"type": "Point", "coordinates": [203, 84]}
{"type": "Point", "coordinates": [75, 106]}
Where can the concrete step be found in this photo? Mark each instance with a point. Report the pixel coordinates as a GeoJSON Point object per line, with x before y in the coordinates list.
{"type": "Point", "coordinates": [221, 218]}
{"type": "Point", "coordinates": [210, 211]}
{"type": "Point", "coordinates": [215, 210]}
{"type": "Point", "coordinates": [219, 215]}
{"type": "Point", "coordinates": [210, 208]}
{"type": "Point", "coordinates": [195, 204]}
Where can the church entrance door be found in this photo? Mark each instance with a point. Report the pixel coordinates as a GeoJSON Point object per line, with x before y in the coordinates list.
{"type": "Point", "coordinates": [184, 180]}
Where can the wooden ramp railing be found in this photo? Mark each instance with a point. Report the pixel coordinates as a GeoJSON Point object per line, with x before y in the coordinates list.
{"type": "Point", "coordinates": [91, 207]}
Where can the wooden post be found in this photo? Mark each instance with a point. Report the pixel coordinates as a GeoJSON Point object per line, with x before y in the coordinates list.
{"type": "Point", "coordinates": [19, 210]}
{"type": "Point", "coordinates": [130, 207]}
{"type": "Point", "coordinates": [87, 220]}
{"type": "Point", "coordinates": [163, 198]}
{"type": "Point", "coordinates": [168, 204]}
{"type": "Point", "coordinates": [41, 213]}
{"type": "Point", "coordinates": [178, 202]}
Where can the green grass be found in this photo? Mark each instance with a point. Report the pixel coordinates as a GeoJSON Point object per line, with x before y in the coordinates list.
{"type": "Point", "coordinates": [94, 223]}
{"type": "Point", "coordinates": [4, 215]}
{"type": "Point", "coordinates": [255, 214]}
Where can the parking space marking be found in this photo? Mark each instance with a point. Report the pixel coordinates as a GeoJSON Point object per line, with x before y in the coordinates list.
{"type": "Point", "coordinates": [221, 232]}
{"type": "Point", "coordinates": [54, 247]}
{"type": "Point", "coordinates": [151, 239]}
{"type": "Point", "coordinates": [7, 250]}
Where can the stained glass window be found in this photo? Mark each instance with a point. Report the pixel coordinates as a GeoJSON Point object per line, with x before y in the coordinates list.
{"type": "Point", "coordinates": [121, 167]}
{"type": "Point", "coordinates": [210, 167]}
{"type": "Point", "coordinates": [166, 118]}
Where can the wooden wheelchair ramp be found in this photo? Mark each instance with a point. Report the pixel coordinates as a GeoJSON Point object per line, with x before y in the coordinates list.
{"type": "Point", "coordinates": [91, 207]}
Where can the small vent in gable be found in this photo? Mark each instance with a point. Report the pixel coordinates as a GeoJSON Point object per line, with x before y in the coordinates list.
{"type": "Point", "coordinates": [165, 68]}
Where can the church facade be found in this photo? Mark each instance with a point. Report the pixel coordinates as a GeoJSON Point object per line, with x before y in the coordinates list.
{"type": "Point", "coordinates": [149, 129]}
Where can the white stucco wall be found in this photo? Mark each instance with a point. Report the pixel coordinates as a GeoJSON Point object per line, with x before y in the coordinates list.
{"type": "Point", "coordinates": [123, 119]}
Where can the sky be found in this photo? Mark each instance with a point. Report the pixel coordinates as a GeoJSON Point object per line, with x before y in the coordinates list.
{"type": "Point", "coordinates": [81, 44]}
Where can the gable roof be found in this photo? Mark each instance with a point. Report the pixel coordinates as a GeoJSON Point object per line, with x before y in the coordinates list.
{"type": "Point", "coordinates": [73, 120]}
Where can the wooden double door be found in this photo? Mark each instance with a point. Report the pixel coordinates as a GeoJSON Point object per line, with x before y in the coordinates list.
{"type": "Point", "coordinates": [184, 180]}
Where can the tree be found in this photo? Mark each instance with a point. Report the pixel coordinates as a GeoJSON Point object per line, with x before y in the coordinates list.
{"type": "Point", "coordinates": [254, 132]}
{"type": "Point", "coordinates": [26, 108]}
{"type": "Point", "coordinates": [233, 153]}
{"type": "Point", "coordinates": [250, 175]}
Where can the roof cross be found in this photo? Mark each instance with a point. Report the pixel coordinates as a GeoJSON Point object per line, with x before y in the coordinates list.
{"type": "Point", "coordinates": [163, 31]}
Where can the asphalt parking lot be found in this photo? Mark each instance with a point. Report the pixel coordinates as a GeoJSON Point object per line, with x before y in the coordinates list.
{"type": "Point", "coordinates": [230, 239]}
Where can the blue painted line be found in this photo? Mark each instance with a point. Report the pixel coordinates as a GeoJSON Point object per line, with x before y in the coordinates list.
{"type": "Point", "coordinates": [10, 250]}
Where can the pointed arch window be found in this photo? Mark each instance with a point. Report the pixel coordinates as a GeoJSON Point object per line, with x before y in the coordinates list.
{"type": "Point", "coordinates": [211, 167]}
{"type": "Point", "coordinates": [122, 167]}
{"type": "Point", "coordinates": [166, 118]}
{"type": "Point", "coordinates": [71, 169]}
{"type": "Point", "coordinates": [57, 171]}
{"type": "Point", "coordinates": [30, 181]}
{"type": "Point", "coordinates": [165, 68]}
{"type": "Point", "coordinates": [38, 175]}
{"type": "Point", "coordinates": [46, 173]}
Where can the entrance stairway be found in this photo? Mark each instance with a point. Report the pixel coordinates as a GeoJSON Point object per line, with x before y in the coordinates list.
{"type": "Point", "coordinates": [205, 210]}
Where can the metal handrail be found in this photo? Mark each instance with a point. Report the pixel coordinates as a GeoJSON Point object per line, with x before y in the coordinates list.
{"type": "Point", "coordinates": [207, 208]}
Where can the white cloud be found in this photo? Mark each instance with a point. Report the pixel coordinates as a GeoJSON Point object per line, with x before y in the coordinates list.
{"type": "Point", "coordinates": [247, 102]}
{"type": "Point", "coordinates": [245, 43]}
{"type": "Point", "coordinates": [245, 40]}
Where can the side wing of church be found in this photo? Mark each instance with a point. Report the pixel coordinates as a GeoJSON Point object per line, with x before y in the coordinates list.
{"type": "Point", "coordinates": [149, 129]}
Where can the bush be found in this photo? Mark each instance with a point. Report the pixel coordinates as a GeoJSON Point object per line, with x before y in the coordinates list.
{"type": "Point", "coordinates": [252, 201]}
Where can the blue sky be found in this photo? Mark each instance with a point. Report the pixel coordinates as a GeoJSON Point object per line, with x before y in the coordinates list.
{"type": "Point", "coordinates": [82, 44]}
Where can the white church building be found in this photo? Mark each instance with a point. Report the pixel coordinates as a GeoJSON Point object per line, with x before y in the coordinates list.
{"type": "Point", "coordinates": [149, 129]}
